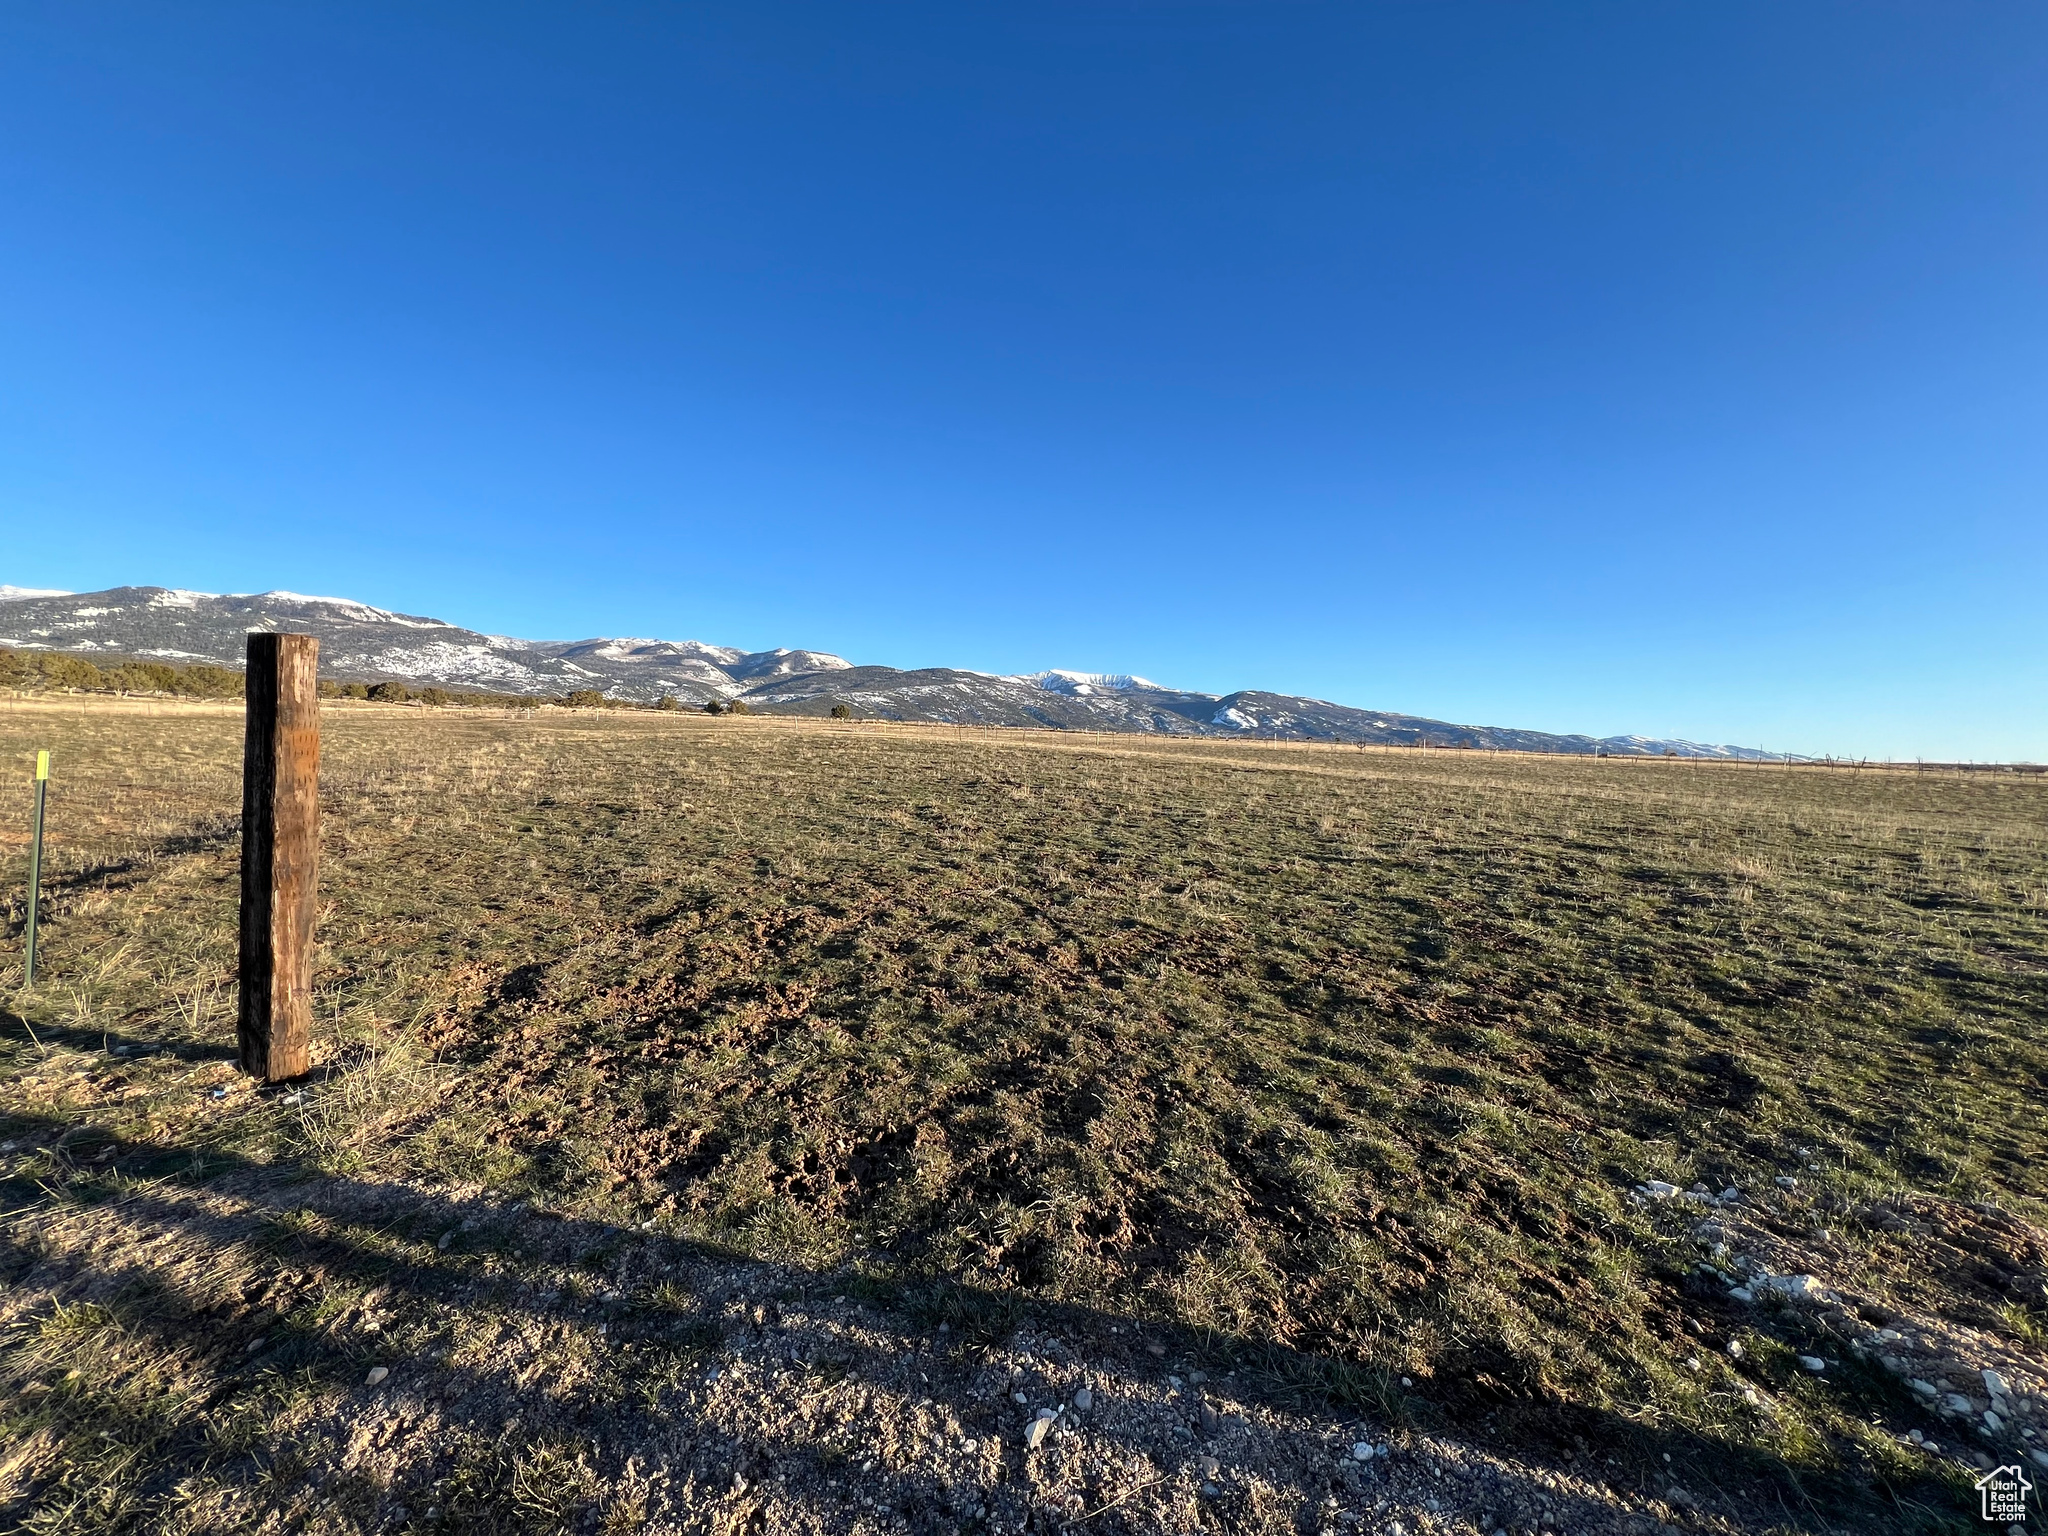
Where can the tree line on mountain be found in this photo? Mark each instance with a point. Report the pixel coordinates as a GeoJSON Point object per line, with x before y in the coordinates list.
{"type": "Point", "coordinates": [62, 672]}
{"type": "Point", "coordinates": [48, 671]}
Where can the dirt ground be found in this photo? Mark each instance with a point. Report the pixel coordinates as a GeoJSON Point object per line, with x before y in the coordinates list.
{"type": "Point", "coordinates": [539, 1373]}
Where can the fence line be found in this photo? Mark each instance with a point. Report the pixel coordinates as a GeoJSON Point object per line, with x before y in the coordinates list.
{"type": "Point", "coordinates": [985, 731]}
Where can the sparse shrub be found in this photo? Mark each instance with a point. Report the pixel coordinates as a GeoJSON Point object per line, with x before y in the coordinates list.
{"type": "Point", "coordinates": [203, 682]}
{"type": "Point", "coordinates": [143, 677]}
{"type": "Point", "coordinates": [842, 711]}
{"type": "Point", "coordinates": [355, 690]}
{"type": "Point", "coordinates": [586, 698]}
{"type": "Point", "coordinates": [739, 707]}
{"type": "Point", "coordinates": [391, 693]}
{"type": "Point", "coordinates": [668, 702]}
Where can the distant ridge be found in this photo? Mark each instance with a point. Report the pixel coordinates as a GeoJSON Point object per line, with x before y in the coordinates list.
{"type": "Point", "coordinates": [361, 643]}
{"type": "Point", "coordinates": [367, 644]}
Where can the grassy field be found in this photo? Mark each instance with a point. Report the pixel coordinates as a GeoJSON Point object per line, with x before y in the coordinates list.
{"type": "Point", "coordinates": [1345, 1063]}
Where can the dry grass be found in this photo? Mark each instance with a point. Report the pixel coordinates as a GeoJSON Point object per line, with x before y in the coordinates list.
{"type": "Point", "coordinates": [1347, 1060]}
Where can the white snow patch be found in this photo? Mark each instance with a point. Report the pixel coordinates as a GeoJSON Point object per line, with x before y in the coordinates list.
{"type": "Point", "coordinates": [1082, 684]}
{"type": "Point", "coordinates": [347, 608]}
{"type": "Point", "coordinates": [278, 594]}
{"type": "Point", "coordinates": [638, 650]}
{"type": "Point", "coordinates": [808, 661]}
{"type": "Point", "coordinates": [448, 662]}
{"type": "Point", "coordinates": [9, 594]}
{"type": "Point", "coordinates": [1657, 746]}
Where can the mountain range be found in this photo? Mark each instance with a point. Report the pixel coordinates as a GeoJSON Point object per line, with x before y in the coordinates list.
{"type": "Point", "coordinates": [359, 643]}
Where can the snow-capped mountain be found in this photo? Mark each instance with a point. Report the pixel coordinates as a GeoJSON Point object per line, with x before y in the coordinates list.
{"type": "Point", "coordinates": [365, 644]}
{"type": "Point", "coordinates": [360, 643]}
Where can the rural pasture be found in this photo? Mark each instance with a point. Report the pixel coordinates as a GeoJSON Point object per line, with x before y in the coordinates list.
{"type": "Point", "coordinates": [1293, 1092]}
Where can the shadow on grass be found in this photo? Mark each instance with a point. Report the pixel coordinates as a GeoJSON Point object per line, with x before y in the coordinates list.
{"type": "Point", "coordinates": [113, 1043]}
{"type": "Point", "coordinates": [115, 873]}
{"type": "Point", "coordinates": [287, 1260]}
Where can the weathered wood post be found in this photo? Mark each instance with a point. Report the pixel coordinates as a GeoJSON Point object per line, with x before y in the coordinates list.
{"type": "Point", "coordinates": [280, 855]}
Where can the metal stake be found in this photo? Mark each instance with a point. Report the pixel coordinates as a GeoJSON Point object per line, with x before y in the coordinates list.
{"type": "Point", "coordinates": [35, 864]}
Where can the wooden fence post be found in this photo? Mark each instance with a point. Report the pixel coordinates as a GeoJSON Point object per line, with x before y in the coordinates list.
{"type": "Point", "coordinates": [280, 855]}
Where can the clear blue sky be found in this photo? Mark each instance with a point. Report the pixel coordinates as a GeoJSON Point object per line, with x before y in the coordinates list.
{"type": "Point", "coordinates": [1675, 368]}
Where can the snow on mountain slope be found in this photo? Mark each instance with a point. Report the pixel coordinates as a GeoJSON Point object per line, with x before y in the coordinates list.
{"type": "Point", "coordinates": [1651, 746]}
{"type": "Point", "coordinates": [1083, 684]}
{"type": "Point", "coordinates": [363, 643]}
{"type": "Point", "coordinates": [339, 607]}
{"type": "Point", "coordinates": [785, 663]}
{"type": "Point", "coordinates": [975, 698]}
{"type": "Point", "coordinates": [638, 651]}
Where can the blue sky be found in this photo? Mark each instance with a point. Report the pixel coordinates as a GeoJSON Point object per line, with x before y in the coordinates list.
{"type": "Point", "coordinates": [1668, 368]}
